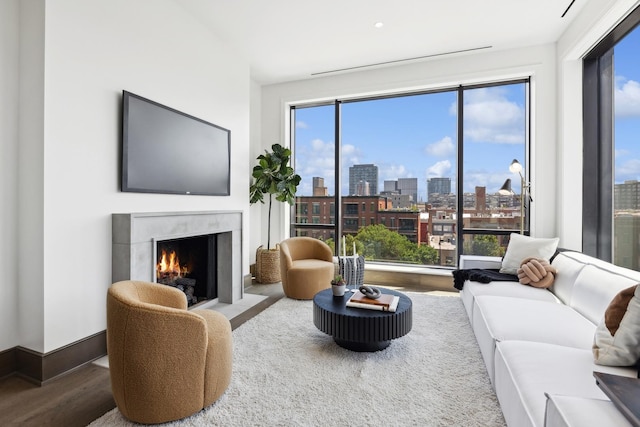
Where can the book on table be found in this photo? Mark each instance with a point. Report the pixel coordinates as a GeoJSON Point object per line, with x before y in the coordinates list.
{"type": "Point", "coordinates": [386, 302]}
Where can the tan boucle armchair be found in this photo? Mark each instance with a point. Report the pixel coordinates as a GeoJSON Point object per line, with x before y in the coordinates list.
{"type": "Point", "coordinates": [306, 267]}
{"type": "Point", "coordinates": [165, 362]}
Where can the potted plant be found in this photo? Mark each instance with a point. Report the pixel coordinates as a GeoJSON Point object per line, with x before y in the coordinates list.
{"type": "Point", "coordinates": [273, 176]}
{"type": "Point", "coordinates": [338, 286]}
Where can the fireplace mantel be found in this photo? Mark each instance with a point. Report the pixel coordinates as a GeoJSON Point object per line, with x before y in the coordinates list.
{"type": "Point", "coordinates": [134, 236]}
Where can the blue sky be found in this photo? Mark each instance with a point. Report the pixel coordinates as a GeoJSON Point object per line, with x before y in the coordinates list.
{"type": "Point", "coordinates": [416, 136]}
{"type": "Point", "coordinates": [627, 107]}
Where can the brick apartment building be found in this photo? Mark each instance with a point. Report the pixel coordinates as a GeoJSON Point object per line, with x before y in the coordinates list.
{"type": "Point", "coordinates": [357, 212]}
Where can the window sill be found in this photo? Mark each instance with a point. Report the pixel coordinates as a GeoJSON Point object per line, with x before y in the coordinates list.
{"type": "Point", "coordinates": [424, 278]}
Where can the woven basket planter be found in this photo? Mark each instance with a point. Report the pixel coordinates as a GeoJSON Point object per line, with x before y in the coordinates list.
{"type": "Point", "coordinates": [268, 265]}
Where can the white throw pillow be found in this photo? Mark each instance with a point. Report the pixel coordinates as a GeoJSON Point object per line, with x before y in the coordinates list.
{"type": "Point", "coordinates": [521, 247]}
{"type": "Point", "coordinates": [617, 338]}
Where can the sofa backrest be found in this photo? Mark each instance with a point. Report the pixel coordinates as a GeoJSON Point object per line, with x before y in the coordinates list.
{"type": "Point", "coordinates": [568, 266]}
{"type": "Point", "coordinates": [589, 284]}
{"type": "Point", "coordinates": [595, 287]}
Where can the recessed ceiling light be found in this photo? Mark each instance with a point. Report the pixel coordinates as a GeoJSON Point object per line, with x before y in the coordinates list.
{"type": "Point", "coordinates": [379, 24]}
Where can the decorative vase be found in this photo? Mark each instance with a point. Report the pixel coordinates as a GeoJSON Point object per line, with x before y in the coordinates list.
{"type": "Point", "coordinates": [338, 290]}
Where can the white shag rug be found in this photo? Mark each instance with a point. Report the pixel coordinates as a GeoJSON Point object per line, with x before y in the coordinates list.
{"type": "Point", "coordinates": [288, 373]}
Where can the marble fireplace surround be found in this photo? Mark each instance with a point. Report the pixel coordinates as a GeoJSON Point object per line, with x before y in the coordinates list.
{"type": "Point", "coordinates": [134, 237]}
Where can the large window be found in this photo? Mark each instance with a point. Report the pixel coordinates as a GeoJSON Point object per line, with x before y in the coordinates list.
{"type": "Point", "coordinates": [611, 190]}
{"type": "Point", "coordinates": [416, 177]}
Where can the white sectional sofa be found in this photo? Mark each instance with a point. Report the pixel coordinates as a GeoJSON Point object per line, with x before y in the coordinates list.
{"type": "Point", "coordinates": [537, 343]}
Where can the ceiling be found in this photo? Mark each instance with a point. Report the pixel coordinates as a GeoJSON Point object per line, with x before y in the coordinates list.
{"type": "Point", "coordinates": [285, 40]}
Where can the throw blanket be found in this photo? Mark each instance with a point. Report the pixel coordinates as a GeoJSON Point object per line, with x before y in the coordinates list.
{"type": "Point", "coordinates": [480, 275]}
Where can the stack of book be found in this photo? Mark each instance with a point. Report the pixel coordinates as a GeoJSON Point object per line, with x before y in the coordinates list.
{"type": "Point", "coordinates": [386, 302]}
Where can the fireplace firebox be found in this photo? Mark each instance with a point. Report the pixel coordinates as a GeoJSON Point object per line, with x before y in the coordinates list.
{"type": "Point", "coordinates": [189, 264]}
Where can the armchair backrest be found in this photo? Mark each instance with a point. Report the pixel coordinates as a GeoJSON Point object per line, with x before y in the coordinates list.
{"type": "Point", "coordinates": [306, 248]}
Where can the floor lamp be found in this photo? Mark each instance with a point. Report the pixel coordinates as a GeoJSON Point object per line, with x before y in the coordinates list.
{"type": "Point", "coordinates": [525, 189]}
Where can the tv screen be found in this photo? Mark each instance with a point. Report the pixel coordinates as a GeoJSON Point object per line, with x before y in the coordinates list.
{"type": "Point", "coordinates": [167, 151]}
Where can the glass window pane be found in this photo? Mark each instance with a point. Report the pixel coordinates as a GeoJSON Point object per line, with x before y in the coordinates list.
{"type": "Point", "coordinates": [626, 199]}
{"type": "Point", "coordinates": [314, 154]}
{"type": "Point", "coordinates": [495, 133]}
{"type": "Point", "coordinates": [390, 149]}
{"type": "Point", "coordinates": [485, 244]}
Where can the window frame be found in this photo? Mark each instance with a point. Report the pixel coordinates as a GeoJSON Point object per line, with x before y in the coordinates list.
{"type": "Point", "coordinates": [598, 141]}
{"type": "Point", "coordinates": [460, 231]}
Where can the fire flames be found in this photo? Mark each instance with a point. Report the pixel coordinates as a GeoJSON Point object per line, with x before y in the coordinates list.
{"type": "Point", "coordinates": [169, 266]}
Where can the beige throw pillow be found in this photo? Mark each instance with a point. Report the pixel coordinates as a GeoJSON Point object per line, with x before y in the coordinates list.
{"type": "Point", "coordinates": [617, 338]}
{"type": "Point", "coordinates": [521, 247]}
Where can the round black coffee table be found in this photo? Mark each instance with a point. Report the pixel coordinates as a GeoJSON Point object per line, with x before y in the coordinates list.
{"type": "Point", "coordinates": [360, 329]}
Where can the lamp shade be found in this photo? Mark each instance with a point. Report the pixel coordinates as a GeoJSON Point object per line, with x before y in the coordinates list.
{"type": "Point", "coordinates": [515, 166]}
{"type": "Point", "coordinates": [506, 190]}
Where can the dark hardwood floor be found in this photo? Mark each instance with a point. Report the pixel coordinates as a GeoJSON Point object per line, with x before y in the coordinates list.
{"type": "Point", "coordinates": [83, 395]}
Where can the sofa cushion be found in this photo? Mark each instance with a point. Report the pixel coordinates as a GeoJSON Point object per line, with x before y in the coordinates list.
{"type": "Point", "coordinates": [507, 289]}
{"type": "Point", "coordinates": [568, 265]}
{"type": "Point", "coordinates": [571, 411]}
{"type": "Point", "coordinates": [521, 247]}
{"type": "Point", "coordinates": [525, 371]}
{"type": "Point", "coordinates": [617, 337]}
{"type": "Point", "coordinates": [497, 319]}
{"type": "Point", "coordinates": [594, 289]}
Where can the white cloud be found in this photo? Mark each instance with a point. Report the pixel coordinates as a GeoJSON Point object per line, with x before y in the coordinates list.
{"type": "Point", "coordinates": [490, 117]}
{"type": "Point", "coordinates": [301, 125]}
{"type": "Point", "coordinates": [627, 97]}
{"type": "Point", "coordinates": [315, 160]}
{"type": "Point", "coordinates": [440, 169]}
{"type": "Point", "coordinates": [392, 172]}
{"type": "Point", "coordinates": [441, 148]}
{"type": "Point", "coordinates": [350, 154]}
{"type": "Point", "coordinates": [619, 152]}
{"type": "Point", "coordinates": [318, 145]}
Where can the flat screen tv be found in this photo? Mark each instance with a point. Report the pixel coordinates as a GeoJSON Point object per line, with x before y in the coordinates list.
{"type": "Point", "coordinates": [168, 151]}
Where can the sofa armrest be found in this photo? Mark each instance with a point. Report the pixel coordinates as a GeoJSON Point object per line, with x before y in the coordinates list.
{"type": "Point", "coordinates": [480, 261]}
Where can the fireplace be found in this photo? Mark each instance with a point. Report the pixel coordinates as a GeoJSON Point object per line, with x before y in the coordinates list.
{"type": "Point", "coordinates": [188, 264]}
{"type": "Point", "coordinates": [139, 239]}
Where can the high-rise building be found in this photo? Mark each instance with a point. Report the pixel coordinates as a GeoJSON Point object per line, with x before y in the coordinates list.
{"type": "Point", "coordinates": [409, 186]}
{"type": "Point", "coordinates": [319, 189]}
{"type": "Point", "coordinates": [438, 186]}
{"type": "Point", "coordinates": [368, 173]}
{"type": "Point", "coordinates": [363, 189]}
{"type": "Point", "coordinates": [627, 195]}
{"type": "Point", "coordinates": [391, 186]}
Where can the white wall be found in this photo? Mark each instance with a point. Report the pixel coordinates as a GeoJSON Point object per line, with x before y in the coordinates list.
{"type": "Point", "coordinates": [9, 68]}
{"type": "Point", "coordinates": [537, 62]}
{"type": "Point", "coordinates": [595, 20]}
{"type": "Point", "coordinates": [94, 50]}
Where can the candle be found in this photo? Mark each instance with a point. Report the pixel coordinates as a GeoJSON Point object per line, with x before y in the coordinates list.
{"type": "Point", "coordinates": [344, 246]}
{"type": "Point", "coordinates": [354, 249]}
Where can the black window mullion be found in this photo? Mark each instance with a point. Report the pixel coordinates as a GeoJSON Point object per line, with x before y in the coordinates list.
{"type": "Point", "coordinates": [460, 177]}
{"type": "Point", "coordinates": [338, 174]}
{"type": "Point", "coordinates": [597, 189]}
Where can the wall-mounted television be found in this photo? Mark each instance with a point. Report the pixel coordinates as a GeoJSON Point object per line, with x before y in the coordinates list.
{"type": "Point", "coordinates": [167, 151]}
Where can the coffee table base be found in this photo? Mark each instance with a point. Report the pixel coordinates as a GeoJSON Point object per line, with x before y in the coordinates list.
{"type": "Point", "coordinates": [362, 346]}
